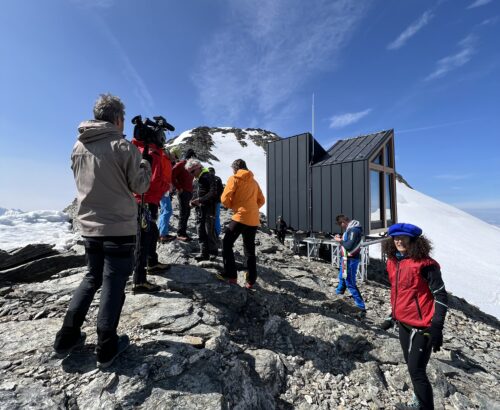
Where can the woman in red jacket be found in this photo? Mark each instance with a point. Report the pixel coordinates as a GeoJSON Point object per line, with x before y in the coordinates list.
{"type": "Point", "coordinates": [419, 305]}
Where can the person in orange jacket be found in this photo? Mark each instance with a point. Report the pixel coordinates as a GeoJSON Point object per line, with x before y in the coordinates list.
{"type": "Point", "coordinates": [243, 195]}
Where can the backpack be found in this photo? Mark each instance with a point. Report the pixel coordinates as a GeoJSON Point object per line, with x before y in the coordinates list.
{"type": "Point", "coordinates": [220, 187]}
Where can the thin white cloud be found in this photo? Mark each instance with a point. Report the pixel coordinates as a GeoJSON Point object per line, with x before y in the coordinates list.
{"type": "Point", "coordinates": [479, 3]}
{"type": "Point", "coordinates": [129, 71]}
{"type": "Point", "coordinates": [265, 53]}
{"type": "Point", "coordinates": [343, 120]}
{"type": "Point", "coordinates": [434, 126]}
{"type": "Point", "coordinates": [94, 4]}
{"type": "Point", "coordinates": [411, 30]}
{"type": "Point", "coordinates": [467, 48]}
{"type": "Point", "coordinates": [454, 177]}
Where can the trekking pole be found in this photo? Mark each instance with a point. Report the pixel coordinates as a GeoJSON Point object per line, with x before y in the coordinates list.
{"type": "Point", "coordinates": [137, 252]}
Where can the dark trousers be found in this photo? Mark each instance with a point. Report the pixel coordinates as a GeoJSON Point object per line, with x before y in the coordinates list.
{"type": "Point", "coordinates": [233, 231]}
{"type": "Point", "coordinates": [184, 212]}
{"type": "Point", "coordinates": [149, 240]}
{"type": "Point", "coordinates": [110, 261]}
{"type": "Point", "coordinates": [416, 359]}
{"type": "Point", "coordinates": [205, 224]}
{"type": "Point", "coordinates": [281, 236]}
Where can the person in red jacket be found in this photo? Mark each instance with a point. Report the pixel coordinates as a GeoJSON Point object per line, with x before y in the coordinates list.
{"type": "Point", "coordinates": [160, 183]}
{"type": "Point", "coordinates": [183, 183]}
{"type": "Point", "coordinates": [419, 305]}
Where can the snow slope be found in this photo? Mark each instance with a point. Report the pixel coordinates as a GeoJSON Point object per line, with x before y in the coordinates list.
{"type": "Point", "coordinates": [227, 148]}
{"type": "Point", "coordinates": [18, 228]}
{"type": "Point", "coordinates": [466, 247]}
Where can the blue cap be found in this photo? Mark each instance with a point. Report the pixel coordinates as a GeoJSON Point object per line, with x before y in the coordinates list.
{"type": "Point", "coordinates": [404, 230]}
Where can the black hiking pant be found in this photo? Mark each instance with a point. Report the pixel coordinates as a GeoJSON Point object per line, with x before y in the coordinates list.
{"type": "Point", "coordinates": [205, 224]}
{"type": "Point", "coordinates": [417, 352]}
{"type": "Point", "coordinates": [281, 236]}
{"type": "Point", "coordinates": [184, 212]}
{"type": "Point", "coordinates": [149, 239]}
{"type": "Point", "coordinates": [233, 231]}
{"type": "Point", "coordinates": [110, 262]}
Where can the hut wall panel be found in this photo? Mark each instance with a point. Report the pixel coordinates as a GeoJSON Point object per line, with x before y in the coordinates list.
{"type": "Point", "coordinates": [326, 199]}
{"type": "Point", "coordinates": [317, 203]}
{"type": "Point", "coordinates": [358, 195]}
{"type": "Point", "coordinates": [336, 186]}
{"type": "Point", "coordinates": [347, 181]}
{"type": "Point", "coordinates": [293, 217]}
{"type": "Point", "coordinates": [302, 179]}
{"type": "Point", "coordinates": [286, 180]}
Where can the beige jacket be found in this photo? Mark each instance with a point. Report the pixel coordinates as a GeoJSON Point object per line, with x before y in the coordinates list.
{"type": "Point", "coordinates": [107, 169]}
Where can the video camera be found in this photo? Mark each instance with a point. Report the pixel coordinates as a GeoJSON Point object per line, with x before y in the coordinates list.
{"type": "Point", "coordinates": [151, 132]}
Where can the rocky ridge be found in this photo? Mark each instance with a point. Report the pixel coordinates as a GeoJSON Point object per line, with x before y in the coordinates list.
{"type": "Point", "coordinates": [200, 139]}
{"type": "Point", "coordinates": [203, 344]}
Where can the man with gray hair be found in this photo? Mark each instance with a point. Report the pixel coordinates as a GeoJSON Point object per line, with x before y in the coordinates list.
{"type": "Point", "coordinates": [205, 199]}
{"type": "Point", "coordinates": [107, 170]}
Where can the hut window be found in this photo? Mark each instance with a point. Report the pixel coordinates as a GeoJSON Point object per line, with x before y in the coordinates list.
{"type": "Point", "coordinates": [388, 199]}
{"type": "Point", "coordinates": [375, 199]}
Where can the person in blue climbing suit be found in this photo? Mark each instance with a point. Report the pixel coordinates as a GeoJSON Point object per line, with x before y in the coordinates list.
{"type": "Point", "coordinates": [350, 245]}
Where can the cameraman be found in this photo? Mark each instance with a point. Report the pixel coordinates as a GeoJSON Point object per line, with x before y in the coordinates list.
{"type": "Point", "coordinates": [160, 183]}
{"type": "Point", "coordinates": [107, 169]}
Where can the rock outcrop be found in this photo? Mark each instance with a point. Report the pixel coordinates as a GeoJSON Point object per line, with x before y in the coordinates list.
{"type": "Point", "coordinates": [204, 344]}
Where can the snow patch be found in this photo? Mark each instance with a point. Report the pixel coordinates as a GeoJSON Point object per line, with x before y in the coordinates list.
{"type": "Point", "coordinates": [18, 229]}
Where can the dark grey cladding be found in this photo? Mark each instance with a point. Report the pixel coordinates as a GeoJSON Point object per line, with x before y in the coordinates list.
{"type": "Point", "coordinates": [309, 186]}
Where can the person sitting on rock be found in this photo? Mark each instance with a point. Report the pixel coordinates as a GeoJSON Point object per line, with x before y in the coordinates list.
{"type": "Point", "coordinates": [350, 249]}
{"type": "Point", "coordinates": [242, 194]}
{"type": "Point", "coordinates": [204, 200]}
{"type": "Point", "coordinates": [419, 305]}
{"type": "Point", "coordinates": [107, 169]}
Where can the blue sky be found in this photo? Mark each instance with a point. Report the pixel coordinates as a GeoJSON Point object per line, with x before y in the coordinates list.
{"type": "Point", "coordinates": [428, 69]}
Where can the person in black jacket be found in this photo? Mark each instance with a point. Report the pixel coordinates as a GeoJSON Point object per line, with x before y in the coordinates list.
{"type": "Point", "coordinates": [220, 190]}
{"type": "Point", "coordinates": [281, 229]}
{"type": "Point", "coordinates": [204, 199]}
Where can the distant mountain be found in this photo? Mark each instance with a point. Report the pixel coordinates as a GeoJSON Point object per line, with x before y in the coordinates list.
{"type": "Point", "coordinates": [220, 146]}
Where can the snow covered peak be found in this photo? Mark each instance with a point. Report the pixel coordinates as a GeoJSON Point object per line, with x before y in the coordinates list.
{"type": "Point", "coordinates": [219, 147]}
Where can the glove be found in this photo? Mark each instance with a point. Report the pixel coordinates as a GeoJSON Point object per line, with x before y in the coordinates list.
{"type": "Point", "coordinates": [436, 337]}
{"type": "Point", "coordinates": [387, 323]}
{"type": "Point", "coordinates": [147, 157]}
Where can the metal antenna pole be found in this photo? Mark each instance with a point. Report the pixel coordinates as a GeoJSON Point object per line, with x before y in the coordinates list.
{"type": "Point", "coordinates": [312, 132]}
{"type": "Point", "coordinates": [310, 171]}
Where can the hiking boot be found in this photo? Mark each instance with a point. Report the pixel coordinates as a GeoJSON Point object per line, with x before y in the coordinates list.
{"type": "Point", "coordinates": [146, 287]}
{"type": "Point", "coordinates": [166, 238]}
{"type": "Point", "coordinates": [408, 406]}
{"type": "Point", "coordinates": [183, 238]}
{"type": "Point", "coordinates": [66, 349]}
{"type": "Point", "coordinates": [413, 404]}
{"type": "Point", "coordinates": [159, 267]}
{"type": "Point", "coordinates": [361, 314]}
{"type": "Point", "coordinates": [231, 281]}
{"type": "Point", "coordinates": [202, 257]}
{"type": "Point", "coordinates": [122, 344]}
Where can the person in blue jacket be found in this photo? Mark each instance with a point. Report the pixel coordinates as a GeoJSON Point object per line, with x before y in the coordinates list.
{"type": "Point", "coordinates": [350, 243]}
